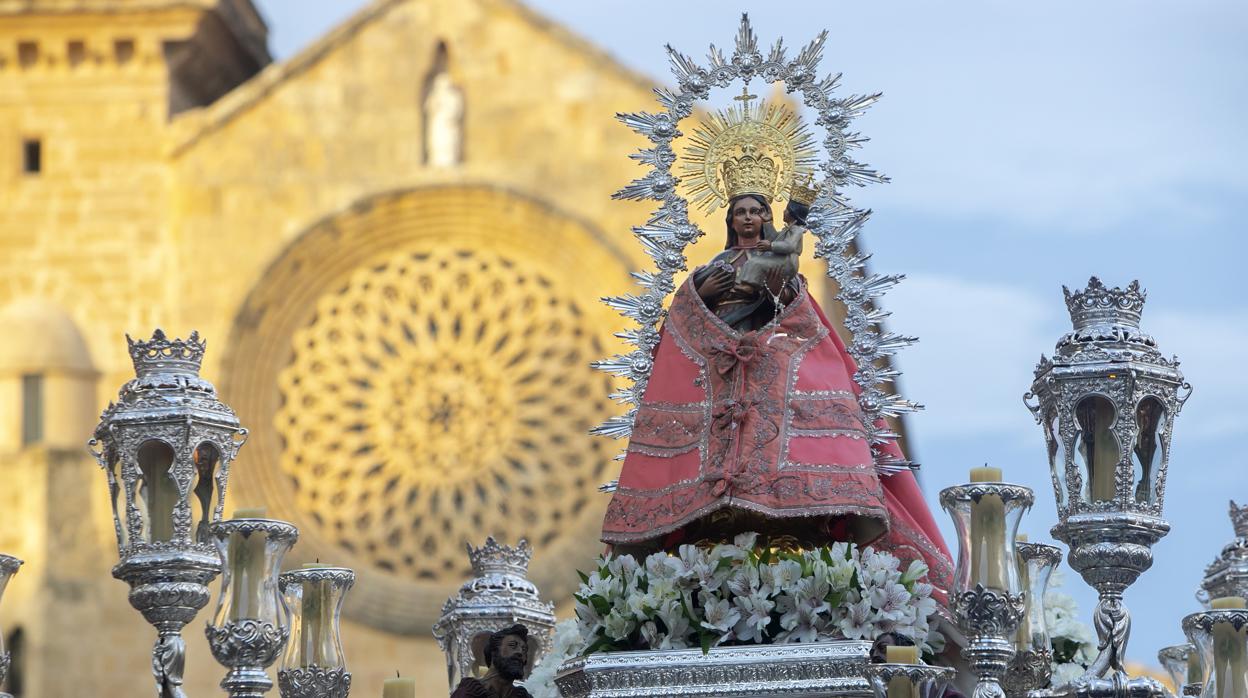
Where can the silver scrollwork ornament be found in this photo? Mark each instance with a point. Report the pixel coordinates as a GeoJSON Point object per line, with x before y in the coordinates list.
{"type": "Point", "coordinates": [314, 682]}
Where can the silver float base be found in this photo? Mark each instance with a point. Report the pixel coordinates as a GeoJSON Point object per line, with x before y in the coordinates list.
{"type": "Point", "coordinates": [813, 670]}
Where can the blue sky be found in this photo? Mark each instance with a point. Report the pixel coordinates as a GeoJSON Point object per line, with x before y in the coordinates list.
{"type": "Point", "coordinates": [1030, 145]}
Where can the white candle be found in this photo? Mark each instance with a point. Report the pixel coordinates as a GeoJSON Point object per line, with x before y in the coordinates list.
{"type": "Point", "coordinates": [398, 688]}
{"type": "Point", "coordinates": [988, 534]}
{"type": "Point", "coordinates": [900, 686]}
{"type": "Point", "coordinates": [1022, 640]}
{"type": "Point", "coordinates": [1229, 660]}
{"type": "Point", "coordinates": [316, 614]}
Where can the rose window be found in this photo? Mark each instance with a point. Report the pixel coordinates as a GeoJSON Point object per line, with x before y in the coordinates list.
{"type": "Point", "coordinates": [437, 395]}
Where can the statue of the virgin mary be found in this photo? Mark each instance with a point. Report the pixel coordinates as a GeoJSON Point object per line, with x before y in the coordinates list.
{"type": "Point", "coordinates": [750, 419]}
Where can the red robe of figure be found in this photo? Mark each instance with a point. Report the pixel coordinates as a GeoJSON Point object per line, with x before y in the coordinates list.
{"type": "Point", "coordinates": [761, 429]}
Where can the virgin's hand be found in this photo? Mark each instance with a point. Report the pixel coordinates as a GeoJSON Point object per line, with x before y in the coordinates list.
{"type": "Point", "coordinates": [764, 245]}
{"type": "Point", "coordinates": [715, 285]}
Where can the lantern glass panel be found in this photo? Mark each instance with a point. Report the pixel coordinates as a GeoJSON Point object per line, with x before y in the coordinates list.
{"type": "Point", "coordinates": [1057, 455]}
{"type": "Point", "coordinates": [1097, 446]}
{"type": "Point", "coordinates": [158, 492]}
{"type": "Point", "coordinates": [1146, 457]}
{"type": "Point", "coordinates": [115, 488]}
{"type": "Point", "coordinates": [206, 459]}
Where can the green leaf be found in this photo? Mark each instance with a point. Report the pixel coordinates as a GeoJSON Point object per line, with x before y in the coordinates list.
{"type": "Point", "coordinates": [584, 577]}
{"type": "Point", "coordinates": [706, 638]}
{"type": "Point", "coordinates": [601, 605]}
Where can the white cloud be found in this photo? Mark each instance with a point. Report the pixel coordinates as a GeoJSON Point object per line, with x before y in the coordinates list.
{"type": "Point", "coordinates": [978, 343]}
{"type": "Point", "coordinates": [1211, 346]}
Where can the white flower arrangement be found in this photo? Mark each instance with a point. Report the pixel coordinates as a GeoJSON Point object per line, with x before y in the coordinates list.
{"type": "Point", "coordinates": [564, 646]}
{"type": "Point", "coordinates": [1074, 647]}
{"type": "Point", "coordinates": [740, 593]}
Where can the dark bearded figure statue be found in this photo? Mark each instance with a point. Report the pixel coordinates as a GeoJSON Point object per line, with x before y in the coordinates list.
{"type": "Point", "coordinates": [506, 655]}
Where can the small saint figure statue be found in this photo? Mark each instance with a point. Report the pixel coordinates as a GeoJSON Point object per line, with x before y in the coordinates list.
{"type": "Point", "coordinates": [506, 656]}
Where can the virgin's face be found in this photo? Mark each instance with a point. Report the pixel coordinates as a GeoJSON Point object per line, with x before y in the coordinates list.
{"type": "Point", "coordinates": [748, 216]}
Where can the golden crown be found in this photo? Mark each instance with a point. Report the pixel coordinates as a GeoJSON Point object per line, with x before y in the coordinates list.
{"type": "Point", "coordinates": [749, 174]}
{"type": "Point", "coordinates": [746, 149]}
{"type": "Point", "coordinates": [805, 191]}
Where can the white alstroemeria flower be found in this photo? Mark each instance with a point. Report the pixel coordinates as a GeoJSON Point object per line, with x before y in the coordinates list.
{"type": "Point", "coordinates": [587, 614]}
{"type": "Point", "coordinates": [690, 559]}
{"type": "Point", "coordinates": [719, 615]}
{"type": "Point", "coordinates": [660, 591]}
{"type": "Point", "coordinates": [917, 569]}
{"type": "Point", "coordinates": [924, 608]}
{"type": "Point", "coordinates": [878, 568]}
{"type": "Point", "coordinates": [800, 625]}
{"type": "Point", "coordinates": [892, 602]}
{"type": "Point", "coordinates": [662, 566]}
{"type": "Point", "coordinates": [709, 577]}
{"type": "Point", "coordinates": [651, 635]}
{"type": "Point", "coordinates": [745, 541]}
{"type": "Point", "coordinates": [745, 580]}
{"type": "Point", "coordinates": [678, 629]}
{"type": "Point", "coordinates": [606, 587]}
{"type": "Point", "coordinates": [638, 605]}
{"type": "Point", "coordinates": [841, 574]}
{"type": "Point", "coordinates": [755, 617]}
{"type": "Point", "coordinates": [623, 567]}
{"type": "Point", "coordinates": [618, 626]}
{"type": "Point", "coordinates": [857, 625]}
{"type": "Point", "coordinates": [936, 640]}
{"type": "Point", "coordinates": [812, 590]}
{"type": "Point", "coordinates": [785, 574]}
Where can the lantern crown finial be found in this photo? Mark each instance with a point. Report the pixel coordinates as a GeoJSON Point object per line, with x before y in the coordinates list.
{"type": "Point", "coordinates": [496, 558]}
{"type": "Point", "coordinates": [1099, 305]}
{"type": "Point", "coordinates": [163, 355]}
{"type": "Point", "coordinates": [1239, 519]}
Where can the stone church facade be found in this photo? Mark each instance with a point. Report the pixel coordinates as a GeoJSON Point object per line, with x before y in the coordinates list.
{"type": "Point", "coordinates": [394, 242]}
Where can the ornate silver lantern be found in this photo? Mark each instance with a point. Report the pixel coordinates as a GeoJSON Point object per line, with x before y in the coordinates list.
{"type": "Point", "coordinates": [8, 567]}
{"type": "Point", "coordinates": [1228, 574]}
{"type": "Point", "coordinates": [498, 595]}
{"type": "Point", "coordinates": [1107, 402]}
{"type": "Point", "coordinates": [166, 447]}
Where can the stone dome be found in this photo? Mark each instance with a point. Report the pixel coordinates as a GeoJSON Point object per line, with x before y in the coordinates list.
{"type": "Point", "coordinates": [46, 339]}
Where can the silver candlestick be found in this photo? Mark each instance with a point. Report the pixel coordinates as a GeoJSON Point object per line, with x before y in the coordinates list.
{"type": "Point", "coordinates": [249, 628]}
{"type": "Point", "coordinates": [1182, 663]}
{"type": "Point", "coordinates": [314, 665]}
{"type": "Point", "coordinates": [988, 600]}
{"type": "Point", "coordinates": [1032, 667]}
{"type": "Point", "coordinates": [928, 681]}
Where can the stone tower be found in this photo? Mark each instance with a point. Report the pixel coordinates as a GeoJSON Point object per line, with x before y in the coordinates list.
{"type": "Point", "coordinates": [88, 90]}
